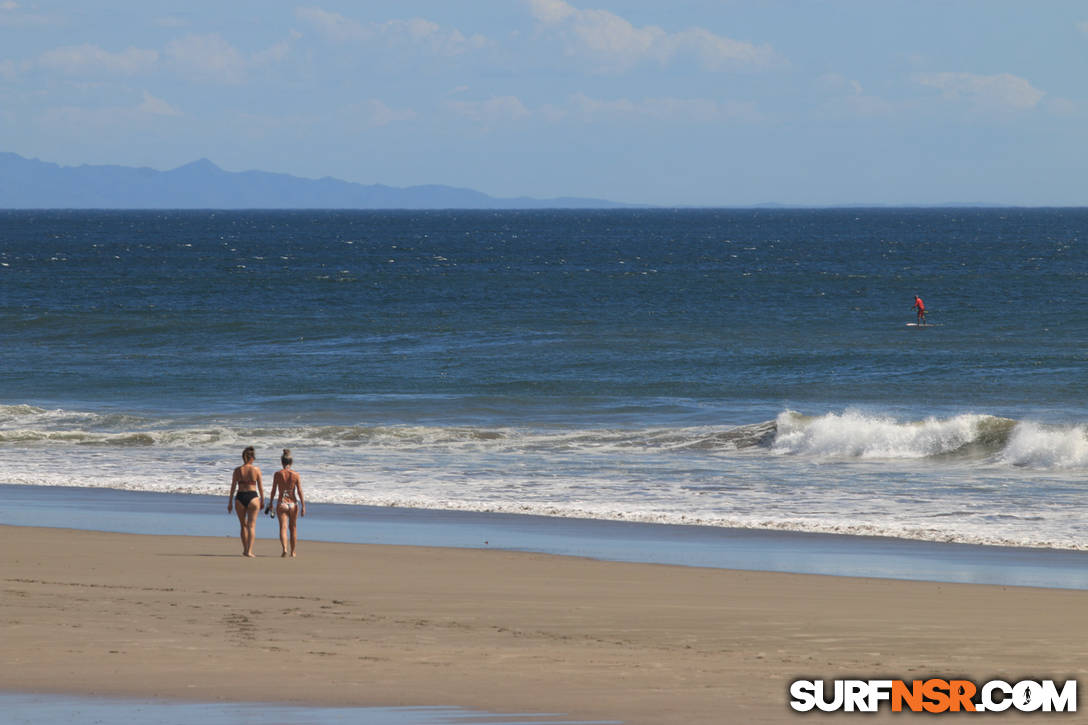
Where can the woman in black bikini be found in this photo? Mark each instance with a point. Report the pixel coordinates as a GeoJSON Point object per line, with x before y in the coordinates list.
{"type": "Point", "coordinates": [290, 504]}
{"type": "Point", "coordinates": [249, 500]}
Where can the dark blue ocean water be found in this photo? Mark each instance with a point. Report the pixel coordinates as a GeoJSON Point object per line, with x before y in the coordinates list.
{"type": "Point", "coordinates": [749, 367]}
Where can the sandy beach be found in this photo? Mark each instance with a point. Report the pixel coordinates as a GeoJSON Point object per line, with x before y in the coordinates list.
{"type": "Point", "coordinates": [350, 624]}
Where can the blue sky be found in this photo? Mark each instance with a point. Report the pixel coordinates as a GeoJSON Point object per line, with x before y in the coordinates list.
{"type": "Point", "coordinates": [687, 102]}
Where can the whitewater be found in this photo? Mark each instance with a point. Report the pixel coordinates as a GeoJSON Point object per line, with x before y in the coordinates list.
{"type": "Point", "coordinates": [968, 478]}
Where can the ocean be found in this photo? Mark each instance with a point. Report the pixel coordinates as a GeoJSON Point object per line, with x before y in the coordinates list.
{"type": "Point", "coordinates": [730, 368]}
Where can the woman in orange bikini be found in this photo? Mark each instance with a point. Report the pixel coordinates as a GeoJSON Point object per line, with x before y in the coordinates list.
{"type": "Point", "coordinates": [249, 500]}
{"type": "Point", "coordinates": [290, 504]}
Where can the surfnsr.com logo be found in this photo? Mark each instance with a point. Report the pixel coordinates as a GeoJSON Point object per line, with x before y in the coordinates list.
{"type": "Point", "coordinates": [934, 695]}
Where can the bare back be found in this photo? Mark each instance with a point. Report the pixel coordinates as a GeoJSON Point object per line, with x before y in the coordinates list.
{"type": "Point", "coordinates": [287, 482]}
{"type": "Point", "coordinates": [247, 476]}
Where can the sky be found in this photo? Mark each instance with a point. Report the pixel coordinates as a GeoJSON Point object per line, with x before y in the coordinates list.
{"type": "Point", "coordinates": [685, 103]}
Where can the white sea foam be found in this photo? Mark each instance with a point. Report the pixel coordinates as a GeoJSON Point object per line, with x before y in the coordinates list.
{"type": "Point", "coordinates": [16, 417]}
{"type": "Point", "coordinates": [850, 472]}
{"type": "Point", "coordinates": [853, 434]}
{"type": "Point", "coordinates": [1038, 446]}
{"type": "Point", "coordinates": [752, 509]}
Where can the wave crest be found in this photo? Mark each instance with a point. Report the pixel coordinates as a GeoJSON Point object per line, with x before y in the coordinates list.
{"type": "Point", "coordinates": [853, 434]}
{"type": "Point", "coordinates": [1038, 446]}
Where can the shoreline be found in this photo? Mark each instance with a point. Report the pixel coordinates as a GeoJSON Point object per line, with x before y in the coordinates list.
{"type": "Point", "coordinates": [187, 618]}
{"type": "Point", "coordinates": [39, 709]}
{"type": "Point", "coordinates": [138, 512]}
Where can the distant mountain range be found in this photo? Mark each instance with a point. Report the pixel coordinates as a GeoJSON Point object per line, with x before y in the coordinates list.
{"type": "Point", "coordinates": [32, 184]}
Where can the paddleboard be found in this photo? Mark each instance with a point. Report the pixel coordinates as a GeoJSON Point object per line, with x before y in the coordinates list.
{"type": "Point", "coordinates": [928, 324]}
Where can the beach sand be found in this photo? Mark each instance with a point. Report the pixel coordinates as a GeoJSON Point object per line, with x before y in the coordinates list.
{"type": "Point", "coordinates": [501, 631]}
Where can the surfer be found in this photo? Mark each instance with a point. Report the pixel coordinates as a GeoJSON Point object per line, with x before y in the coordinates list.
{"type": "Point", "coordinates": [290, 504]}
{"type": "Point", "coordinates": [246, 498]}
{"type": "Point", "coordinates": [921, 307]}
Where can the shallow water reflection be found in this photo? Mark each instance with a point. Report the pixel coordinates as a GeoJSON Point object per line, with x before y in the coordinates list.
{"type": "Point", "coordinates": [25, 709]}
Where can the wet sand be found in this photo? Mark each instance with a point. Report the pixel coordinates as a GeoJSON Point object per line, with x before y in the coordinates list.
{"type": "Point", "coordinates": [499, 631]}
{"type": "Point", "coordinates": [144, 512]}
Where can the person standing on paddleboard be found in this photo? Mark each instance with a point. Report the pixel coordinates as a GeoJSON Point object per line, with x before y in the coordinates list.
{"type": "Point", "coordinates": [921, 307]}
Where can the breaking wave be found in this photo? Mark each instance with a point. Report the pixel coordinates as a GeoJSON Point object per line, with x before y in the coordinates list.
{"type": "Point", "coordinates": [854, 434]}
{"type": "Point", "coordinates": [850, 434]}
{"type": "Point", "coordinates": [1037, 446]}
{"type": "Point", "coordinates": [968, 436]}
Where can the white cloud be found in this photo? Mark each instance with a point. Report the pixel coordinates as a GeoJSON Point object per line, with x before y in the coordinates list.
{"type": "Point", "coordinates": [439, 40]}
{"type": "Point", "coordinates": [80, 119]}
{"type": "Point", "coordinates": [156, 106]}
{"type": "Point", "coordinates": [11, 16]}
{"type": "Point", "coordinates": [551, 113]}
{"type": "Point", "coordinates": [590, 107]}
{"type": "Point", "coordinates": [552, 11]}
{"type": "Point", "coordinates": [716, 52]}
{"type": "Point", "coordinates": [375, 113]}
{"type": "Point", "coordinates": [614, 44]}
{"type": "Point", "coordinates": [846, 95]}
{"type": "Point", "coordinates": [837, 83]}
{"type": "Point", "coordinates": [275, 53]}
{"type": "Point", "coordinates": [587, 109]}
{"type": "Point", "coordinates": [211, 58]}
{"type": "Point", "coordinates": [415, 32]}
{"type": "Point", "coordinates": [199, 57]}
{"type": "Point", "coordinates": [207, 57]}
{"type": "Point", "coordinates": [91, 59]}
{"type": "Point", "coordinates": [997, 92]}
{"type": "Point", "coordinates": [689, 110]}
{"type": "Point", "coordinates": [334, 25]}
{"type": "Point", "coordinates": [493, 110]}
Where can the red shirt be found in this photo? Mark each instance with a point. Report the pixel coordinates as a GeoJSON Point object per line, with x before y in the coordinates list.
{"type": "Point", "coordinates": [919, 304]}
